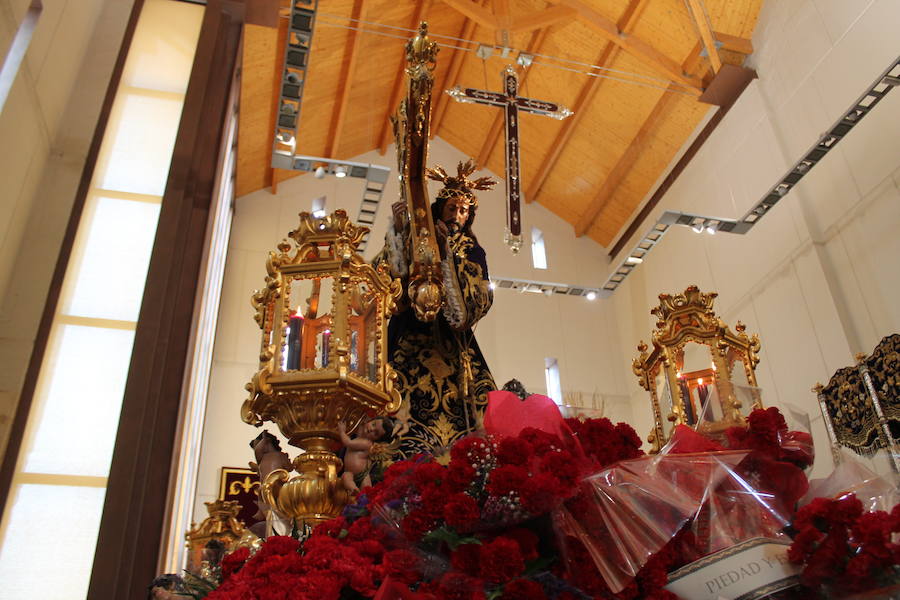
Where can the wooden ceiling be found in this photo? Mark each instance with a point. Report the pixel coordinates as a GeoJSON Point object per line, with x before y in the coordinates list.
{"type": "Point", "coordinates": [592, 169]}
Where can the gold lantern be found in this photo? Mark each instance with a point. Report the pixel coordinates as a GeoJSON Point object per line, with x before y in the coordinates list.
{"type": "Point", "coordinates": [699, 372]}
{"type": "Point", "coordinates": [323, 316]}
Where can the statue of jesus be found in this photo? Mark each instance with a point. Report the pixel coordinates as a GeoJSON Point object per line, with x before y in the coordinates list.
{"type": "Point", "coordinates": [442, 374]}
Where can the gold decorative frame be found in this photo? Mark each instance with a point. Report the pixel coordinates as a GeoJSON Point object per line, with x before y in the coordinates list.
{"type": "Point", "coordinates": [308, 403]}
{"type": "Point", "coordinates": [682, 319]}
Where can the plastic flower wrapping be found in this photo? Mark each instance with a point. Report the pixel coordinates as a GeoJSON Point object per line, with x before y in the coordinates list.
{"type": "Point", "coordinates": [545, 507]}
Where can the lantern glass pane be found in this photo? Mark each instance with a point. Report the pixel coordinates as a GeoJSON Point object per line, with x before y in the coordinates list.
{"type": "Point", "coordinates": [363, 348]}
{"type": "Point", "coordinates": [308, 339]}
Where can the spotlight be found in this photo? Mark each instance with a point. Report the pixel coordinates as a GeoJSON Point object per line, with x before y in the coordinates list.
{"type": "Point", "coordinates": [697, 227]}
{"type": "Point", "coordinates": [591, 295]}
{"type": "Point", "coordinates": [319, 173]}
{"type": "Point", "coordinates": [634, 260]}
{"type": "Point", "coordinates": [340, 171]}
{"type": "Point", "coordinates": [710, 230]}
{"type": "Point", "coordinates": [492, 285]}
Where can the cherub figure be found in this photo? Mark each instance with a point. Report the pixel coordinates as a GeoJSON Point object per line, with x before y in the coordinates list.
{"type": "Point", "coordinates": [357, 464]}
{"type": "Point", "coordinates": [269, 457]}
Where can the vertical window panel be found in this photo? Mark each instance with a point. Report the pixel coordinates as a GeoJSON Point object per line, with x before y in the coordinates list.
{"type": "Point", "coordinates": [49, 544]}
{"type": "Point", "coordinates": [141, 136]}
{"type": "Point", "coordinates": [538, 252]}
{"type": "Point", "coordinates": [110, 271]}
{"type": "Point", "coordinates": [81, 401]}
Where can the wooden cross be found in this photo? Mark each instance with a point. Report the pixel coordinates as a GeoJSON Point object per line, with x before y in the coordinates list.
{"type": "Point", "coordinates": [512, 103]}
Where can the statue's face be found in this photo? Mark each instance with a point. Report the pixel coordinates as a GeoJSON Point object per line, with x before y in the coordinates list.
{"type": "Point", "coordinates": [374, 429]}
{"type": "Point", "coordinates": [456, 211]}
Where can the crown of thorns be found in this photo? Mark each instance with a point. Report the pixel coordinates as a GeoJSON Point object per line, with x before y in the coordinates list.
{"type": "Point", "coordinates": [461, 186]}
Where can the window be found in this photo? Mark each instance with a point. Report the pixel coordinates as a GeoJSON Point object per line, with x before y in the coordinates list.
{"type": "Point", "coordinates": [551, 376]}
{"type": "Point", "coordinates": [63, 466]}
{"type": "Point", "coordinates": [538, 252]}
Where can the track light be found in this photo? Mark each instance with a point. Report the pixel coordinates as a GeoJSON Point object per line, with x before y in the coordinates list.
{"type": "Point", "coordinates": [634, 260]}
{"type": "Point", "coordinates": [319, 173]}
{"type": "Point", "coordinates": [340, 171]}
{"type": "Point", "coordinates": [591, 295]}
{"type": "Point", "coordinates": [697, 227]}
{"type": "Point", "coordinates": [710, 230]}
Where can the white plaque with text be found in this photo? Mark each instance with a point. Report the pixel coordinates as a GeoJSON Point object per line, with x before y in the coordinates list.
{"type": "Point", "coordinates": [746, 571]}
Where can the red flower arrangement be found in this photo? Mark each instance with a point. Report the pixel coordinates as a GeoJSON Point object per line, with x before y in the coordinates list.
{"type": "Point", "coordinates": [480, 526]}
{"type": "Point", "coordinates": [845, 548]}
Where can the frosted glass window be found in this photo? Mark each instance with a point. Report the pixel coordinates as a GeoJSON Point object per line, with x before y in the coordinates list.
{"type": "Point", "coordinates": [110, 275]}
{"type": "Point", "coordinates": [551, 376]}
{"type": "Point", "coordinates": [48, 546]}
{"type": "Point", "coordinates": [81, 401]}
{"type": "Point", "coordinates": [162, 51]}
{"type": "Point", "coordinates": [538, 252]}
{"type": "Point", "coordinates": [141, 136]}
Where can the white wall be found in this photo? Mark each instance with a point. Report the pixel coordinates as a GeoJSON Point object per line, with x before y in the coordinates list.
{"type": "Point", "coordinates": [45, 127]}
{"type": "Point", "coordinates": [819, 277]}
{"type": "Point", "coordinates": [517, 334]}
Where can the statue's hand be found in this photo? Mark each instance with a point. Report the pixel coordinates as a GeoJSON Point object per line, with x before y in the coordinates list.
{"type": "Point", "coordinates": [399, 211]}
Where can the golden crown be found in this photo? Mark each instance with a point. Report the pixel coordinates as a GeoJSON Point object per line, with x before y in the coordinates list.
{"type": "Point", "coordinates": [461, 186]}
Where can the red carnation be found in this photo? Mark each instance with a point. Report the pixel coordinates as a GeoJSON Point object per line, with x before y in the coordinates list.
{"type": "Point", "coordinates": [501, 560]}
{"type": "Point", "coordinates": [459, 476]}
{"type": "Point", "coordinates": [402, 565]}
{"type": "Point", "coordinates": [539, 494]}
{"type": "Point", "coordinates": [461, 512]}
{"type": "Point", "coordinates": [513, 451]}
{"type": "Point", "coordinates": [416, 524]}
{"type": "Point", "coordinates": [428, 474]}
{"type": "Point", "coordinates": [471, 450]}
{"type": "Point", "coordinates": [459, 586]}
{"type": "Point", "coordinates": [561, 465]}
{"type": "Point", "coordinates": [523, 589]}
{"type": "Point", "coordinates": [467, 558]}
{"type": "Point", "coordinates": [506, 479]}
{"type": "Point", "coordinates": [234, 561]}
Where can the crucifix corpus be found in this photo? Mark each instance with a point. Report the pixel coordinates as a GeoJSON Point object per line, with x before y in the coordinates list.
{"type": "Point", "coordinates": [512, 103]}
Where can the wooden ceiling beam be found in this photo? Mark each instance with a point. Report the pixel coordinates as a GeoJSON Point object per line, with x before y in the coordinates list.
{"type": "Point", "coordinates": [534, 45]}
{"type": "Point", "coordinates": [475, 12]}
{"type": "Point", "coordinates": [351, 54]}
{"type": "Point", "coordinates": [451, 77]}
{"type": "Point", "coordinates": [585, 95]}
{"type": "Point", "coordinates": [542, 19]}
{"type": "Point", "coordinates": [272, 176]}
{"type": "Point", "coordinates": [706, 35]}
{"type": "Point", "coordinates": [625, 163]}
{"type": "Point", "coordinates": [384, 138]}
{"type": "Point", "coordinates": [634, 45]}
{"type": "Point", "coordinates": [635, 148]}
{"type": "Point", "coordinates": [734, 43]}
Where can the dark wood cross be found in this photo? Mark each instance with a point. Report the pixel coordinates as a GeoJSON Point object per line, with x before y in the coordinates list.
{"type": "Point", "coordinates": [512, 103]}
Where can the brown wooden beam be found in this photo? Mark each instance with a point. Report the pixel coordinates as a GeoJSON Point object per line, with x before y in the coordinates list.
{"type": "Point", "coordinates": [585, 95]}
{"type": "Point", "coordinates": [384, 138]}
{"type": "Point", "coordinates": [534, 45]}
{"type": "Point", "coordinates": [734, 43]}
{"type": "Point", "coordinates": [706, 35]}
{"type": "Point", "coordinates": [680, 166]}
{"type": "Point", "coordinates": [451, 77]}
{"type": "Point", "coordinates": [475, 12]}
{"type": "Point", "coordinates": [542, 19]}
{"type": "Point", "coordinates": [634, 46]}
{"type": "Point", "coordinates": [351, 54]}
{"type": "Point", "coordinates": [281, 46]}
{"type": "Point", "coordinates": [625, 163]}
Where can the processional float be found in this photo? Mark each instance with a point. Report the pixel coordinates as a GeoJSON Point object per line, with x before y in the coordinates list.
{"type": "Point", "coordinates": [323, 315]}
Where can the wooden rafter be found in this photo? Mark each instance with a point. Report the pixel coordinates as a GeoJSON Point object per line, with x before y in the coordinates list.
{"type": "Point", "coordinates": [542, 19]}
{"type": "Point", "coordinates": [354, 41]}
{"type": "Point", "coordinates": [452, 76]}
{"type": "Point", "coordinates": [585, 95]}
{"type": "Point", "coordinates": [635, 148]}
{"type": "Point", "coordinates": [706, 34]}
{"type": "Point", "coordinates": [624, 164]}
{"type": "Point", "coordinates": [384, 138]}
{"type": "Point", "coordinates": [476, 12]}
{"type": "Point", "coordinates": [633, 45]}
{"type": "Point", "coordinates": [734, 43]}
{"type": "Point", "coordinates": [534, 45]}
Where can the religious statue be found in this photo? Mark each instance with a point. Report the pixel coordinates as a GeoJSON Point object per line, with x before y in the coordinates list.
{"type": "Point", "coordinates": [357, 464]}
{"type": "Point", "coordinates": [441, 372]}
{"type": "Point", "coordinates": [269, 457]}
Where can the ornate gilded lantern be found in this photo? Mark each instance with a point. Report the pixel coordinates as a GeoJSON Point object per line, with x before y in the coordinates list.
{"type": "Point", "coordinates": [699, 372]}
{"type": "Point", "coordinates": [323, 316]}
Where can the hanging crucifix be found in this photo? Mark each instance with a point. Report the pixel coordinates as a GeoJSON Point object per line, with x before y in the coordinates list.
{"type": "Point", "coordinates": [512, 103]}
